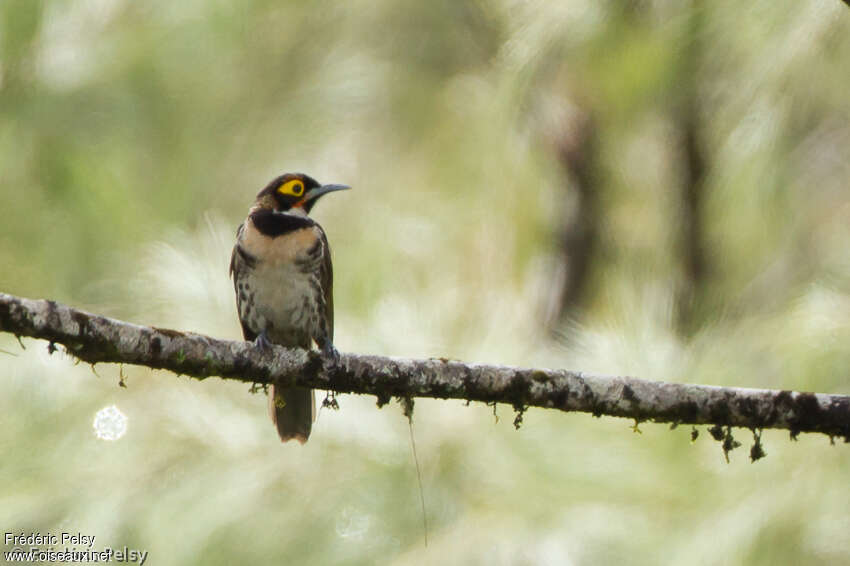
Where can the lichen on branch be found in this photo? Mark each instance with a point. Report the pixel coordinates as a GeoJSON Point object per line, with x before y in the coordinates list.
{"type": "Point", "coordinates": [94, 339]}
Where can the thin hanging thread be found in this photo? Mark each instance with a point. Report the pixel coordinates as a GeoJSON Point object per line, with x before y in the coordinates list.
{"type": "Point", "coordinates": [418, 477]}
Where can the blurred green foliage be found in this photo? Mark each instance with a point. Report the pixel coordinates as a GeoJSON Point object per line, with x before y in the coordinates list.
{"type": "Point", "coordinates": [134, 135]}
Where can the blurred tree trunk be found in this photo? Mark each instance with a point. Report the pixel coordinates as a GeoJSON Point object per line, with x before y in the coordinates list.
{"type": "Point", "coordinates": [691, 291]}
{"type": "Point", "coordinates": [576, 147]}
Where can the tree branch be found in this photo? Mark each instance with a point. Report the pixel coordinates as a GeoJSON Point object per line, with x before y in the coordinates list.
{"type": "Point", "coordinates": [93, 338]}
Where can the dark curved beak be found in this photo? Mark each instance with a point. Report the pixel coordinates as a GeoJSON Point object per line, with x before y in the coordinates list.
{"type": "Point", "coordinates": [313, 194]}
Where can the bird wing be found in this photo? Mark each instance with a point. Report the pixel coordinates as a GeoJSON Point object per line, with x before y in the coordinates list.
{"type": "Point", "coordinates": [326, 278]}
{"type": "Point", "coordinates": [240, 263]}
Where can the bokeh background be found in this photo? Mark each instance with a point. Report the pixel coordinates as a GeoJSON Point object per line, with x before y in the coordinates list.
{"type": "Point", "coordinates": [652, 188]}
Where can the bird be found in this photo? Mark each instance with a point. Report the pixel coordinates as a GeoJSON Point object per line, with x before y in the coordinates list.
{"type": "Point", "coordinates": [283, 279]}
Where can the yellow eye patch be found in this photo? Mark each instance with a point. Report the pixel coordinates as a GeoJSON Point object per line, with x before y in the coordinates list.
{"type": "Point", "coordinates": [294, 187]}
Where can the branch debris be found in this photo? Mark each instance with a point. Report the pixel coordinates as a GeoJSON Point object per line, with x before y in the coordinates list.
{"type": "Point", "coordinates": [95, 339]}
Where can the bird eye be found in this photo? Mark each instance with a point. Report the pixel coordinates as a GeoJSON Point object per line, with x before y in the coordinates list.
{"type": "Point", "coordinates": [294, 188]}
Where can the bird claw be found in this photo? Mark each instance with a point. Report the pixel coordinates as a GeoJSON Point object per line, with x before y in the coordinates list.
{"type": "Point", "coordinates": [262, 341]}
{"type": "Point", "coordinates": [330, 356]}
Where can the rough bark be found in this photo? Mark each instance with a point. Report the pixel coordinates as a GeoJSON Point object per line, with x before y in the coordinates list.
{"type": "Point", "coordinates": [93, 338]}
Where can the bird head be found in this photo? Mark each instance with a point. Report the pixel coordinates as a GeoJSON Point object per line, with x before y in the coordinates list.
{"type": "Point", "coordinates": [294, 191]}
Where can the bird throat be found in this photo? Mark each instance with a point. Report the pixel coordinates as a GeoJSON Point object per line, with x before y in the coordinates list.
{"type": "Point", "coordinates": [274, 224]}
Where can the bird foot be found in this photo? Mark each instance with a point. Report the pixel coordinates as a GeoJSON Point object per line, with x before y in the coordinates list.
{"type": "Point", "coordinates": [330, 356]}
{"type": "Point", "coordinates": [262, 341]}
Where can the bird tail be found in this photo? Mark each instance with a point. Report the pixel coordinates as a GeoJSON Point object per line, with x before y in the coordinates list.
{"type": "Point", "coordinates": [293, 410]}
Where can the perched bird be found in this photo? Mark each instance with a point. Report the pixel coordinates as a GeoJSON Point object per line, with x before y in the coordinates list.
{"type": "Point", "coordinates": [282, 274]}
